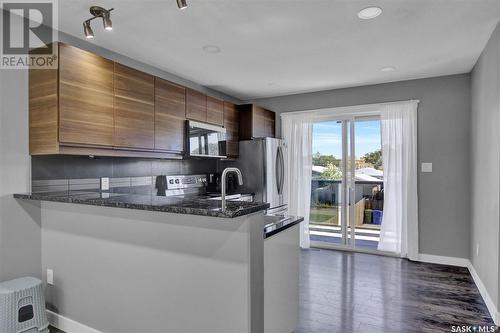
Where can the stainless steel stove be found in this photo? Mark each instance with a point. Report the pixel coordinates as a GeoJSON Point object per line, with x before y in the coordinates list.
{"type": "Point", "coordinates": [192, 186]}
{"type": "Point", "coordinates": [186, 181]}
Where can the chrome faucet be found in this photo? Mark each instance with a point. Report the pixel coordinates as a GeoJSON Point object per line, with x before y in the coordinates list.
{"type": "Point", "coordinates": [223, 185]}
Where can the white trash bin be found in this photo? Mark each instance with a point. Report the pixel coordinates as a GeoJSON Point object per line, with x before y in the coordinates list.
{"type": "Point", "coordinates": [22, 306]}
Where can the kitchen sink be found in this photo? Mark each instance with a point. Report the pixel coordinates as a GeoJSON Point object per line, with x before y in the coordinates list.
{"type": "Point", "coordinates": [235, 197]}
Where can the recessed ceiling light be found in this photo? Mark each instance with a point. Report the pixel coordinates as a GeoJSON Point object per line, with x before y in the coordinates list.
{"type": "Point", "coordinates": [182, 4]}
{"type": "Point", "coordinates": [369, 13]}
{"type": "Point", "coordinates": [211, 48]}
{"type": "Point", "coordinates": [388, 69]}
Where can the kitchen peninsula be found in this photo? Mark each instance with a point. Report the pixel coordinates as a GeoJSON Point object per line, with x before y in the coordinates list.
{"type": "Point", "coordinates": [194, 267]}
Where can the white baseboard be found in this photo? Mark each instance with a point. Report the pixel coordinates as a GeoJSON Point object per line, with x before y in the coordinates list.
{"type": "Point", "coordinates": [462, 262]}
{"type": "Point", "coordinates": [68, 325]}
{"type": "Point", "coordinates": [452, 261]}
{"type": "Point", "coordinates": [486, 296]}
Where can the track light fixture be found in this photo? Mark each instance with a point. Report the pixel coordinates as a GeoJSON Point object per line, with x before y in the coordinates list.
{"type": "Point", "coordinates": [98, 12]}
{"type": "Point", "coordinates": [182, 4]}
{"type": "Point", "coordinates": [106, 20]}
{"type": "Point", "coordinates": [88, 30]}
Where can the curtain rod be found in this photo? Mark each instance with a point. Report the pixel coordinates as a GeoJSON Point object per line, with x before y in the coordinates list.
{"type": "Point", "coordinates": [291, 113]}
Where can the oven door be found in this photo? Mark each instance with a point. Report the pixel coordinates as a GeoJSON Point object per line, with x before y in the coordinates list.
{"type": "Point", "coordinates": [205, 140]}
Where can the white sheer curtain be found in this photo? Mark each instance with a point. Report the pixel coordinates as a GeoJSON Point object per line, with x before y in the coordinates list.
{"type": "Point", "coordinates": [399, 232]}
{"type": "Point", "coordinates": [297, 132]}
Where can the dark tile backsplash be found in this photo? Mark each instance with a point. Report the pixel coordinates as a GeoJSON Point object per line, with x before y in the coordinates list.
{"type": "Point", "coordinates": [80, 167]}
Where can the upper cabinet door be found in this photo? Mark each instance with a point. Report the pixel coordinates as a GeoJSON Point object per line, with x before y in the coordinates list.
{"type": "Point", "coordinates": [256, 122]}
{"type": "Point", "coordinates": [231, 120]}
{"type": "Point", "coordinates": [85, 97]}
{"type": "Point", "coordinates": [170, 116]}
{"type": "Point", "coordinates": [196, 105]}
{"type": "Point", "coordinates": [134, 108]}
{"type": "Point", "coordinates": [215, 111]}
{"type": "Point", "coordinates": [263, 122]}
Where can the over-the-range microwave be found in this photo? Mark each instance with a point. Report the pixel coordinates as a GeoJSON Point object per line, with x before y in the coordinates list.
{"type": "Point", "coordinates": [205, 140]}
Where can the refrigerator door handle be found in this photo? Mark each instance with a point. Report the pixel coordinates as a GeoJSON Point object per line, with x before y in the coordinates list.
{"type": "Point", "coordinates": [282, 182]}
{"type": "Point", "coordinates": [277, 171]}
{"type": "Point", "coordinates": [280, 178]}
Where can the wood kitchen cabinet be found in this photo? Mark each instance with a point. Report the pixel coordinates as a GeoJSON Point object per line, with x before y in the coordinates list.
{"type": "Point", "coordinates": [231, 120]}
{"type": "Point", "coordinates": [196, 105]}
{"type": "Point", "coordinates": [215, 111]}
{"type": "Point", "coordinates": [170, 116]}
{"type": "Point", "coordinates": [256, 122]}
{"type": "Point", "coordinates": [204, 108]}
{"type": "Point", "coordinates": [85, 97]}
{"type": "Point", "coordinates": [134, 95]}
{"type": "Point", "coordinates": [90, 105]}
{"type": "Point", "coordinates": [43, 111]}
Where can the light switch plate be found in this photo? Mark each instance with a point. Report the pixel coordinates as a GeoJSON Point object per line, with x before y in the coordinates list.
{"type": "Point", "coordinates": [50, 276]}
{"type": "Point", "coordinates": [426, 167]}
{"type": "Point", "coordinates": [104, 184]}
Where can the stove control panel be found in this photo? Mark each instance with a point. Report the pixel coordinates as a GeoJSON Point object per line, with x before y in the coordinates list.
{"type": "Point", "coordinates": [186, 181]}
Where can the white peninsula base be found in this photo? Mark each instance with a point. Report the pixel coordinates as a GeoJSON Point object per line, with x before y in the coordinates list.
{"type": "Point", "coordinates": [125, 270]}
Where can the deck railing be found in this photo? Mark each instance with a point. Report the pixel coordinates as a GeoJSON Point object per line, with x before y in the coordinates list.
{"type": "Point", "coordinates": [326, 200]}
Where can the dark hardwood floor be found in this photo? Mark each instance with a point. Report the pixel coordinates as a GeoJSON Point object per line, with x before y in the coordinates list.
{"type": "Point", "coordinates": [354, 292]}
{"type": "Point", "coordinates": [342, 292]}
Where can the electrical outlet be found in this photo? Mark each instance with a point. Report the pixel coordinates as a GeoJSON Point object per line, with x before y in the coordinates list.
{"type": "Point", "coordinates": [104, 184]}
{"type": "Point", "coordinates": [426, 167]}
{"type": "Point", "coordinates": [50, 276]}
{"type": "Point", "coordinates": [477, 249]}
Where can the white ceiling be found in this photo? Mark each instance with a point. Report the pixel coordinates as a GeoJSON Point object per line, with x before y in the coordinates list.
{"type": "Point", "coordinates": [280, 47]}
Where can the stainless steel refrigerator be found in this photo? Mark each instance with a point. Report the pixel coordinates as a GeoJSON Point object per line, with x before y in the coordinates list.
{"type": "Point", "coordinates": [263, 165]}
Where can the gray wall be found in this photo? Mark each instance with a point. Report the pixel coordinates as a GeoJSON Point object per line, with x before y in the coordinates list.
{"type": "Point", "coordinates": [20, 237]}
{"type": "Point", "coordinates": [443, 139]}
{"type": "Point", "coordinates": [485, 166]}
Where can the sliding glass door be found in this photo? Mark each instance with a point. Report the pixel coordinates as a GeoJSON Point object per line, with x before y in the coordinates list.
{"type": "Point", "coordinates": [347, 184]}
{"type": "Point", "coordinates": [327, 191]}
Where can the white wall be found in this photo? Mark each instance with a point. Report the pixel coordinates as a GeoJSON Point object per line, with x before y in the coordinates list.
{"type": "Point", "coordinates": [485, 168]}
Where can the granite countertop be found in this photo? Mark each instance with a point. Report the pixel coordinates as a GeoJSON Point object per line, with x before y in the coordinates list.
{"type": "Point", "coordinates": [171, 204]}
{"type": "Point", "coordinates": [278, 223]}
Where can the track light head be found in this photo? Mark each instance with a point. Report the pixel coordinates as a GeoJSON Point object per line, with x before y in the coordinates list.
{"type": "Point", "coordinates": [88, 30]}
{"type": "Point", "coordinates": [106, 20]}
{"type": "Point", "coordinates": [98, 12]}
{"type": "Point", "coordinates": [182, 4]}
